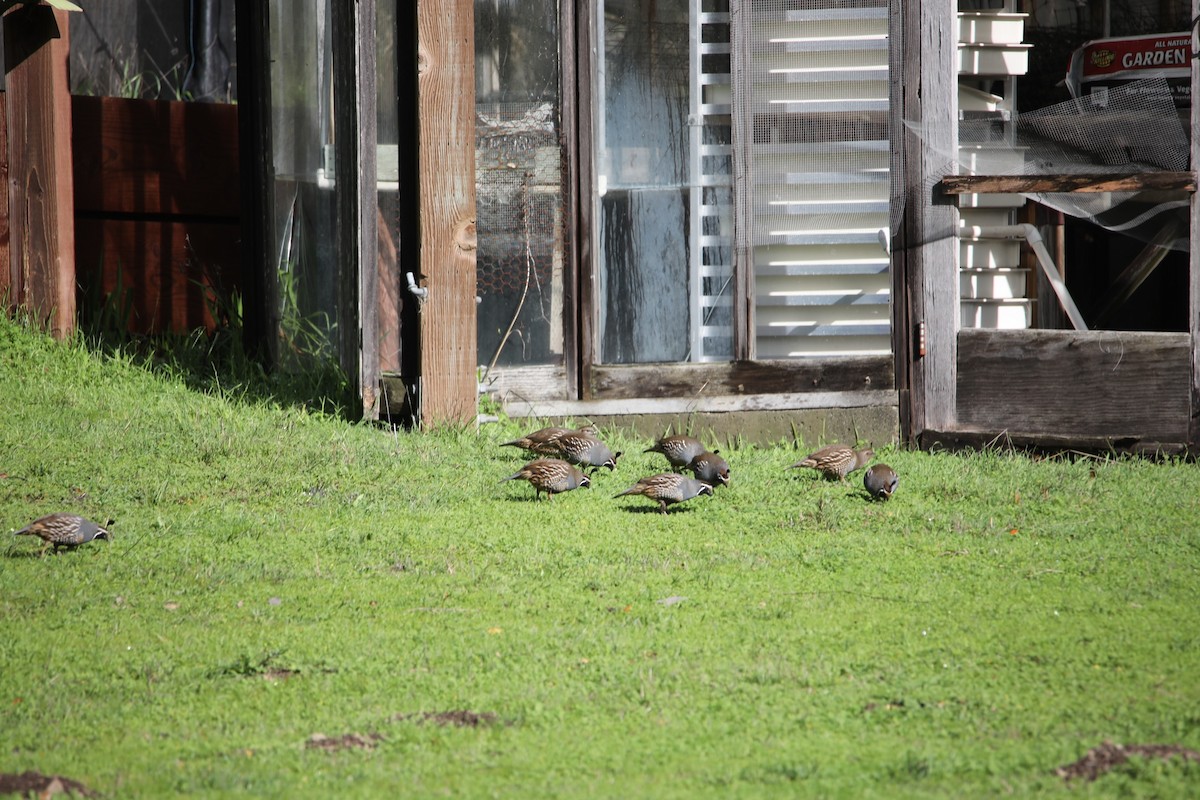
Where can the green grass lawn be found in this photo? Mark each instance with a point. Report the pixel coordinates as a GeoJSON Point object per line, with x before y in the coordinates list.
{"type": "Point", "coordinates": [276, 574]}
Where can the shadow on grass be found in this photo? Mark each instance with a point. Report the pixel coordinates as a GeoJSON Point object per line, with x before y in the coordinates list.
{"type": "Point", "coordinates": [672, 511]}
{"type": "Point", "coordinates": [216, 361]}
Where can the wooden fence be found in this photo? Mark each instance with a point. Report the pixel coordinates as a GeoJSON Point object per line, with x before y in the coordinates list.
{"type": "Point", "coordinates": [157, 205]}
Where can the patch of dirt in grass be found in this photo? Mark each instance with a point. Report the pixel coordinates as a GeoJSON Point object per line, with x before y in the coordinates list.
{"type": "Point", "coordinates": [35, 784]}
{"type": "Point", "coordinates": [349, 741]}
{"type": "Point", "coordinates": [1099, 760]}
{"type": "Point", "coordinates": [461, 718]}
{"type": "Point", "coordinates": [279, 674]}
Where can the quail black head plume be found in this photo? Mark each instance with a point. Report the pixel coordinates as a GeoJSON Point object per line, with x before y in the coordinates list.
{"type": "Point", "coordinates": [541, 441]}
{"type": "Point", "coordinates": [836, 461]}
{"type": "Point", "coordinates": [710, 468]}
{"type": "Point", "coordinates": [64, 530]}
{"type": "Point", "coordinates": [880, 481]}
{"type": "Point", "coordinates": [585, 450]}
{"type": "Point", "coordinates": [668, 488]}
{"type": "Point", "coordinates": [679, 449]}
{"type": "Point", "coordinates": [552, 476]}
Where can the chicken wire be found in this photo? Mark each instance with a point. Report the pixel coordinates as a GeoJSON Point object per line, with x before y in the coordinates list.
{"type": "Point", "coordinates": [1133, 128]}
{"type": "Point", "coordinates": [519, 225]}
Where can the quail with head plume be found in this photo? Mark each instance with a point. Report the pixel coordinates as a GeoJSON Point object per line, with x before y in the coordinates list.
{"type": "Point", "coordinates": [880, 481]}
{"type": "Point", "coordinates": [836, 461]}
{"type": "Point", "coordinates": [584, 450]}
{"type": "Point", "coordinates": [552, 476]}
{"type": "Point", "coordinates": [710, 468]}
{"type": "Point", "coordinates": [668, 488]}
{"type": "Point", "coordinates": [541, 441]}
{"type": "Point", "coordinates": [64, 531]}
{"type": "Point", "coordinates": [679, 449]}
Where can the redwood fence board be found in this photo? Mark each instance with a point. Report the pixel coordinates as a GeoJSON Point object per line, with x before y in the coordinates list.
{"type": "Point", "coordinates": [157, 205]}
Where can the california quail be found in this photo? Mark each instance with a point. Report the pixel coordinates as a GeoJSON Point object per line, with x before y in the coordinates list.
{"type": "Point", "coordinates": [880, 481]}
{"type": "Point", "coordinates": [64, 530]}
{"type": "Point", "coordinates": [836, 461]}
{"type": "Point", "coordinates": [540, 441]}
{"type": "Point", "coordinates": [710, 468]}
{"type": "Point", "coordinates": [583, 449]}
{"type": "Point", "coordinates": [679, 449]}
{"type": "Point", "coordinates": [668, 488]}
{"type": "Point", "coordinates": [552, 476]}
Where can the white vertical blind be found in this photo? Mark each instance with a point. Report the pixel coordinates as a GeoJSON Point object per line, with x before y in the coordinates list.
{"type": "Point", "coordinates": [818, 177]}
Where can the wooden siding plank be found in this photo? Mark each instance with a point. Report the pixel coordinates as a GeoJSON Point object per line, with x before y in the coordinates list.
{"type": "Point", "coordinates": [926, 94]}
{"type": "Point", "coordinates": [1118, 384]}
{"type": "Point", "coordinates": [41, 194]}
{"type": "Point", "coordinates": [446, 88]}
{"type": "Point", "coordinates": [973, 439]}
{"type": "Point", "coordinates": [1046, 184]}
{"type": "Point", "coordinates": [156, 157]}
{"type": "Point", "coordinates": [740, 378]}
{"type": "Point", "coordinates": [356, 200]}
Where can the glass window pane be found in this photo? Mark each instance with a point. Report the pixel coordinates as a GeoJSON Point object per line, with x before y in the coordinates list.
{"type": "Point", "coordinates": [663, 172]}
{"type": "Point", "coordinates": [518, 184]}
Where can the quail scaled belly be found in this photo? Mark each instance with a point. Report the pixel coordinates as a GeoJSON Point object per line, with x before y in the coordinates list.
{"type": "Point", "coordinates": [836, 461]}
{"type": "Point", "coordinates": [583, 449]}
{"type": "Point", "coordinates": [668, 488]}
{"type": "Point", "coordinates": [679, 449]}
{"type": "Point", "coordinates": [64, 531]}
{"type": "Point", "coordinates": [880, 481]}
{"type": "Point", "coordinates": [710, 468]}
{"type": "Point", "coordinates": [552, 476]}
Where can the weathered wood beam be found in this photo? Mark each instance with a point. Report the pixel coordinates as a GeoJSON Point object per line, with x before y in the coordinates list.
{"type": "Point", "coordinates": [924, 102]}
{"type": "Point", "coordinates": [1042, 442]}
{"type": "Point", "coordinates": [741, 378]}
{"type": "Point", "coordinates": [356, 199]}
{"type": "Point", "coordinates": [446, 121]}
{"type": "Point", "coordinates": [41, 274]}
{"type": "Point", "coordinates": [1075, 384]}
{"type": "Point", "coordinates": [1051, 184]}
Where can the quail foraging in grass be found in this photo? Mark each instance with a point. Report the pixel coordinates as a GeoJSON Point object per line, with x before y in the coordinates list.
{"type": "Point", "coordinates": [880, 481]}
{"type": "Point", "coordinates": [836, 461]}
{"type": "Point", "coordinates": [552, 476]}
{"type": "Point", "coordinates": [541, 441]}
{"type": "Point", "coordinates": [668, 488]}
{"type": "Point", "coordinates": [679, 449]}
{"type": "Point", "coordinates": [64, 531]}
{"type": "Point", "coordinates": [583, 449]}
{"type": "Point", "coordinates": [710, 468]}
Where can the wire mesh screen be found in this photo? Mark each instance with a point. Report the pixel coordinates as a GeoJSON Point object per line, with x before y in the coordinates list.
{"type": "Point", "coordinates": [519, 221]}
{"type": "Point", "coordinates": [1131, 128]}
{"type": "Point", "coordinates": [818, 176]}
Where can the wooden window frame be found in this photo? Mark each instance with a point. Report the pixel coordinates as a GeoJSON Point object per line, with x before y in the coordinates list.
{"type": "Point", "coordinates": [825, 378]}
